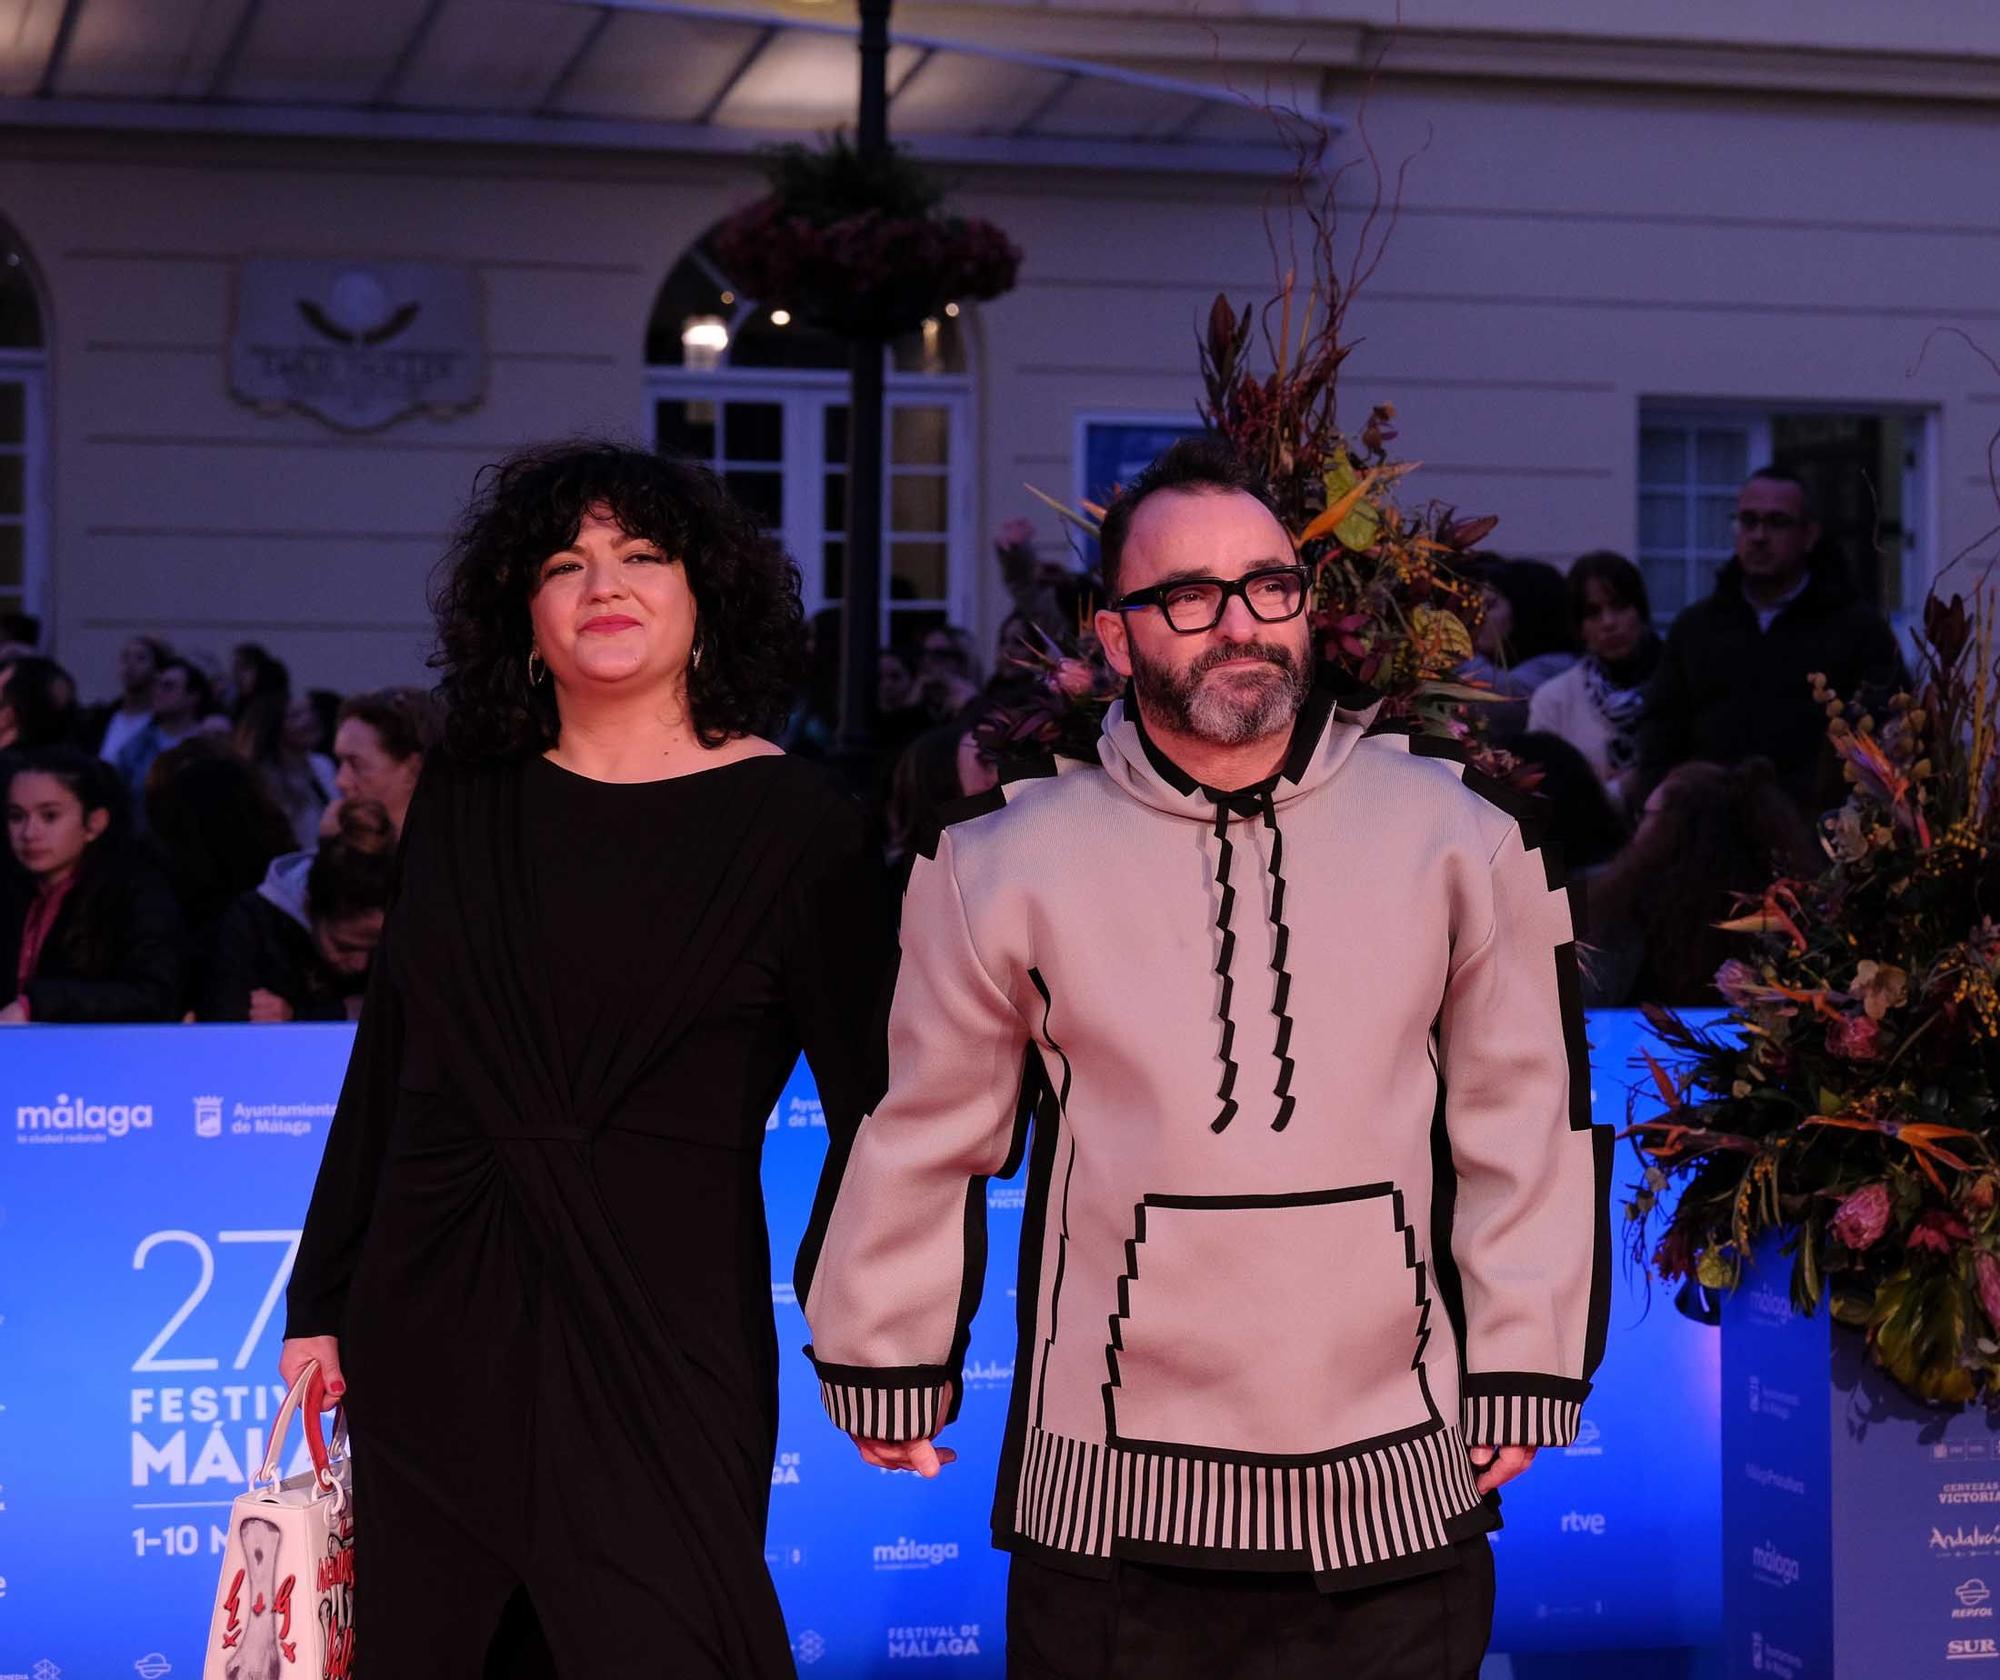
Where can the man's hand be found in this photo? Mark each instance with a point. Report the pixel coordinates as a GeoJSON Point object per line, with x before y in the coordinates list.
{"type": "Point", "coordinates": [924, 1457]}
{"type": "Point", "coordinates": [1497, 1465]}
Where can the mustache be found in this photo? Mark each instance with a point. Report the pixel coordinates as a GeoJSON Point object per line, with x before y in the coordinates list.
{"type": "Point", "coordinates": [1270, 652]}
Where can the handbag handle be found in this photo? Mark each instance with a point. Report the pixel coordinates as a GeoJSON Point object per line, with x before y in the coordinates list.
{"type": "Point", "coordinates": [309, 1388]}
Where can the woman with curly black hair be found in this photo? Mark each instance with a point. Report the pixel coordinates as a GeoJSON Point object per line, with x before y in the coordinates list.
{"type": "Point", "coordinates": [536, 1260]}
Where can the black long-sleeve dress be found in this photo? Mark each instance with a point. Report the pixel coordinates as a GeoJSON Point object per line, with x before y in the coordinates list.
{"type": "Point", "coordinates": [538, 1228]}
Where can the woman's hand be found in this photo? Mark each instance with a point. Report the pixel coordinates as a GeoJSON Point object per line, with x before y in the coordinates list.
{"type": "Point", "coordinates": [298, 1351]}
{"type": "Point", "coordinates": [15, 1014]}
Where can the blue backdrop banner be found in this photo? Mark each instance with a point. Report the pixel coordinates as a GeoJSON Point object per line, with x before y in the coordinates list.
{"type": "Point", "coordinates": [151, 1192]}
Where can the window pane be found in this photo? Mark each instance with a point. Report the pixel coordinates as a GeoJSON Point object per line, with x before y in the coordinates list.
{"type": "Point", "coordinates": [11, 477]}
{"type": "Point", "coordinates": [836, 434]}
{"type": "Point", "coordinates": [763, 493]}
{"type": "Point", "coordinates": [833, 578]}
{"type": "Point", "coordinates": [1722, 458]}
{"type": "Point", "coordinates": [919, 437]}
{"type": "Point", "coordinates": [685, 428]}
{"type": "Point", "coordinates": [1666, 583]}
{"type": "Point", "coordinates": [1662, 455]}
{"type": "Point", "coordinates": [1662, 521]}
{"type": "Point", "coordinates": [1713, 527]}
{"type": "Point", "coordinates": [13, 411]}
{"type": "Point", "coordinates": [833, 503]}
{"type": "Point", "coordinates": [753, 432]}
{"type": "Point", "coordinates": [917, 571]}
{"type": "Point", "coordinates": [918, 504]}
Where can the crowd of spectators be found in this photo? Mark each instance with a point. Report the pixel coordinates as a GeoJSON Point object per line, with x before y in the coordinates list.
{"type": "Point", "coordinates": [1682, 771]}
{"type": "Point", "coordinates": [209, 845]}
{"type": "Point", "coordinates": [1676, 772]}
{"type": "Point", "coordinates": [218, 845]}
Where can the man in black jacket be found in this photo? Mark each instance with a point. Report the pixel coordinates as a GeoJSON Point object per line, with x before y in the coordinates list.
{"type": "Point", "coordinates": [1733, 680]}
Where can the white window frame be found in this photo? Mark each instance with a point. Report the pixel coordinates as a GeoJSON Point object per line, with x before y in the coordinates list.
{"type": "Point", "coordinates": [29, 370]}
{"type": "Point", "coordinates": [805, 394]}
{"type": "Point", "coordinates": [1919, 565]}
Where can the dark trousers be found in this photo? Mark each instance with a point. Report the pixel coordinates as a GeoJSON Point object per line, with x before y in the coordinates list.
{"type": "Point", "coordinates": [1148, 1623]}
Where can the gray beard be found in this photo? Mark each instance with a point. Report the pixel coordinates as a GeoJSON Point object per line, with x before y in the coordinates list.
{"type": "Point", "coordinates": [1215, 713]}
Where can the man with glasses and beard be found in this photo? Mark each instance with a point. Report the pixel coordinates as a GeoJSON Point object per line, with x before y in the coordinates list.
{"type": "Point", "coordinates": [1734, 678]}
{"type": "Point", "coordinates": [1316, 1250]}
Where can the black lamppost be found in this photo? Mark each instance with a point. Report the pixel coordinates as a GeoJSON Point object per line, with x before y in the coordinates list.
{"type": "Point", "coordinates": [861, 594]}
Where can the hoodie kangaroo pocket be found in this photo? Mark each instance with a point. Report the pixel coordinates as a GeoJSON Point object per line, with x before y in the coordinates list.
{"type": "Point", "coordinates": [1287, 1326]}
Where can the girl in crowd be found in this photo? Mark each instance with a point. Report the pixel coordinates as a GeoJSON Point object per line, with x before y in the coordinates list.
{"type": "Point", "coordinates": [379, 743]}
{"type": "Point", "coordinates": [88, 930]}
{"type": "Point", "coordinates": [1595, 704]}
{"type": "Point", "coordinates": [939, 767]}
{"type": "Point", "coordinates": [1523, 640]}
{"type": "Point", "coordinates": [275, 960]}
{"type": "Point", "coordinates": [535, 1259]}
{"type": "Point", "coordinates": [1708, 832]}
{"type": "Point", "coordinates": [277, 731]}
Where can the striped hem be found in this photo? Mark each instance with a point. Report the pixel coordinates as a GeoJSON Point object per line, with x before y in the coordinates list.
{"type": "Point", "coordinates": [886, 1414]}
{"type": "Point", "coordinates": [1329, 1515]}
{"type": "Point", "coordinates": [1521, 1420]}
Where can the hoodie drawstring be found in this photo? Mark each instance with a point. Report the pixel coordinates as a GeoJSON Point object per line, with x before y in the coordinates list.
{"type": "Point", "coordinates": [1281, 995]}
{"type": "Point", "coordinates": [1258, 804]}
{"type": "Point", "coordinates": [1225, 955]}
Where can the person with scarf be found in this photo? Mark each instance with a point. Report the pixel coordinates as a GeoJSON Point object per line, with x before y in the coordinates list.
{"type": "Point", "coordinates": [1597, 703]}
{"type": "Point", "coordinates": [1279, 1003]}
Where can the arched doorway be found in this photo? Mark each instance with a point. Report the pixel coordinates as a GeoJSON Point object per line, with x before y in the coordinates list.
{"type": "Point", "coordinates": [23, 433]}
{"type": "Point", "coordinates": [762, 399]}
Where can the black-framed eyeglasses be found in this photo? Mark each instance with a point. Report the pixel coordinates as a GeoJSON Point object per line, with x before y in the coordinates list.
{"type": "Point", "coordinates": [1192, 605]}
{"type": "Point", "coordinates": [1776, 523]}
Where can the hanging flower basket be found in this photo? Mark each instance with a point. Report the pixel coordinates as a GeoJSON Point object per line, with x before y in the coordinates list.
{"type": "Point", "coordinates": [860, 247]}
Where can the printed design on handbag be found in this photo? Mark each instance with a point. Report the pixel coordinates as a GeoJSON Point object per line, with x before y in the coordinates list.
{"type": "Point", "coordinates": [264, 1643]}
{"type": "Point", "coordinates": [334, 1579]}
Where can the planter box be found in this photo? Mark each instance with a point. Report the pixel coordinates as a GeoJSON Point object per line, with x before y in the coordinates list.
{"type": "Point", "coordinates": [1861, 1529]}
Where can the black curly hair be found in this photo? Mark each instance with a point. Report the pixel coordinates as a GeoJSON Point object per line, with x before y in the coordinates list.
{"type": "Point", "coordinates": [746, 590]}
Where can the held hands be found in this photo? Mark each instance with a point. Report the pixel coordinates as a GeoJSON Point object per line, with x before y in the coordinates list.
{"type": "Point", "coordinates": [1497, 1465]}
{"type": "Point", "coordinates": [922, 1456]}
{"type": "Point", "coordinates": [326, 1349]}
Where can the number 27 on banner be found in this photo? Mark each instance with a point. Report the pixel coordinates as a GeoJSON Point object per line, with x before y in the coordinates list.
{"type": "Point", "coordinates": [155, 1357]}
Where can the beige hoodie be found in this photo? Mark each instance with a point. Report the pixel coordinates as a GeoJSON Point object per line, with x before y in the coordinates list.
{"type": "Point", "coordinates": [1314, 1198]}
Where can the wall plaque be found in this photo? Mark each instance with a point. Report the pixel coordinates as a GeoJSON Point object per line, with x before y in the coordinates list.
{"type": "Point", "coordinates": [358, 344]}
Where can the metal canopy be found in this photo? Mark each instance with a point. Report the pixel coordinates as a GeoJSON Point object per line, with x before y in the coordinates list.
{"type": "Point", "coordinates": [655, 75]}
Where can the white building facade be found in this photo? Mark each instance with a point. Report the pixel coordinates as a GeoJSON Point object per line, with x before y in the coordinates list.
{"type": "Point", "coordinates": [1633, 259]}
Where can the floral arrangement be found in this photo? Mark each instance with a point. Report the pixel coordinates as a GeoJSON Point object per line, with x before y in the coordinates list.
{"type": "Point", "coordinates": [1848, 1104]}
{"type": "Point", "coordinates": [860, 245]}
{"type": "Point", "coordinates": [1391, 605]}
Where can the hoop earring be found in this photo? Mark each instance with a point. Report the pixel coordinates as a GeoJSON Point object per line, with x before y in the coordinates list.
{"type": "Point", "coordinates": [534, 675]}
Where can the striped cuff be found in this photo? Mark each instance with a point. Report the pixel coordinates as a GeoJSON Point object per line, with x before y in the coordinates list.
{"type": "Point", "coordinates": [1521, 1409]}
{"type": "Point", "coordinates": [904, 1404]}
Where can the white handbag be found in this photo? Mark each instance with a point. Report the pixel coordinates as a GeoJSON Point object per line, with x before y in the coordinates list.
{"type": "Point", "coordinates": [284, 1608]}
